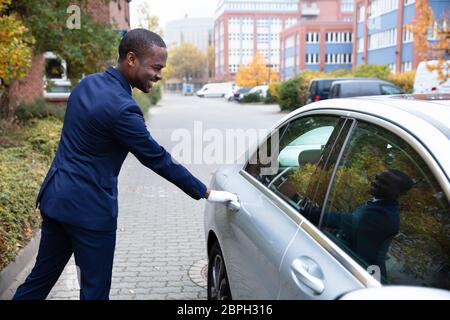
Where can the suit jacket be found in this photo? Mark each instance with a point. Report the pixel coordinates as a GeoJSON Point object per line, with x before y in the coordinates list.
{"type": "Point", "coordinates": [101, 125]}
{"type": "Point", "coordinates": [368, 230]}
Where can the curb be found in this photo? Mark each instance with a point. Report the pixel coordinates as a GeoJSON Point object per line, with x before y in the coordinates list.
{"type": "Point", "coordinates": [16, 272]}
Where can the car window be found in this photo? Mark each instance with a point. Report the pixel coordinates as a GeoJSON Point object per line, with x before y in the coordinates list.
{"type": "Point", "coordinates": [386, 89]}
{"type": "Point", "coordinates": [301, 150]}
{"type": "Point", "coordinates": [324, 86]}
{"type": "Point", "coordinates": [357, 89]}
{"type": "Point", "coordinates": [334, 91]}
{"type": "Point", "coordinates": [387, 211]}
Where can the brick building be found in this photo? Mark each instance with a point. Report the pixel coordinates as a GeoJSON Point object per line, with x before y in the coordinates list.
{"type": "Point", "coordinates": [321, 40]}
{"type": "Point", "coordinates": [244, 27]}
{"type": "Point", "coordinates": [31, 86]}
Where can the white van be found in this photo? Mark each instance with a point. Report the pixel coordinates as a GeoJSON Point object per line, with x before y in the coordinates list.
{"type": "Point", "coordinates": [215, 90]}
{"type": "Point", "coordinates": [427, 81]}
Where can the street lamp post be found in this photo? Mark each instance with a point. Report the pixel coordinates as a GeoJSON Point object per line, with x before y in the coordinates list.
{"type": "Point", "coordinates": [269, 66]}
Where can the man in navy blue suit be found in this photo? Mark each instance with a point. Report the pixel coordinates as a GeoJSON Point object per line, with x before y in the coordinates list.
{"type": "Point", "coordinates": [78, 198]}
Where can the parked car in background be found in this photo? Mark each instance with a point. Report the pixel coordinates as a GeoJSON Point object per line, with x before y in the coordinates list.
{"type": "Point", "coordinates": [215, 90]}
{"type": "Point", "coordinates": [356, 205]}
{"type": "Point", "coordinates": [319, 88]}
{"type": "Point", "coordinates": [239, 95]}
{"type": "Point", "coordinates": [427, 81]}
{"type": "Point", "coordinates": [231, 93]}
{"type": "Point", "coordinates": [362, 87]}
{"type": "Point", "coordinates": [258, 90]}
{"type": "Point", "coordinates": [261, 90]}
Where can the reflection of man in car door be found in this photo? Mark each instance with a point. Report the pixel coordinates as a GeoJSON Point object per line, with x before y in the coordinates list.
{"type": "Point", "coordinates": [369, 229]}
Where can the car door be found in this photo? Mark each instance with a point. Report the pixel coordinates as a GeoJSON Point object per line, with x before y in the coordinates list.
{"type": "Point", "coordinates": [383, 219]}
{"type": "Point", "coordinates": [255, 238]}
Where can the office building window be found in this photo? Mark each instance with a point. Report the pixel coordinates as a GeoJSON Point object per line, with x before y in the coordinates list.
{"type": "Point", "coordinates": [383, 39]}
{"type": "Point", "coordinates": [347, 5]}
{"type": "Point", "coordinates": [379, 7]}
{"type": "Point", "coordinates": [338, 58]}
{"type": "Point", "coordinates": [406, 66]}
{"type": "Point", "coordinates": [407, 35]}
{"type": "Point", "coordinates": [338, 37]}
{"type": "Point", "coordinates": [312, 58]}
{"type": "Point", "coordinates": [312, 37]}
{"type": "Point", "coordinates": [361, 13]}
{"type": "Point", "coordinates": [360, 45]}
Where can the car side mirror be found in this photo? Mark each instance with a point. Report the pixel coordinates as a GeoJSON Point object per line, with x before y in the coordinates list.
{"type": "Point", "coordinates": [397, 293]}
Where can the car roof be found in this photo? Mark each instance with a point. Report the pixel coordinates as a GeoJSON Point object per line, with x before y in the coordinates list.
{"type": "Point", "coordinates": [343, 78]}
{"type": "Point", "coordinates": [426, 117]}
{"type": "Point", "coordinates": [361, 80]}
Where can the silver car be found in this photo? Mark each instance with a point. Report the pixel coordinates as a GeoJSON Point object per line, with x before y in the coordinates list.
{"type": "Point", "coordinates": [345, 199]}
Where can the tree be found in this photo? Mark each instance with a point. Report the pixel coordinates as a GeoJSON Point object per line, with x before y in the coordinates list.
{"type": "Point", "coordinates": [16, 53]}
{"type": "Point", "coordinates": [86, 50]}
{"type": "Point", "coordinates": [147, 20]}
{"type": "Point", "coordinates": [422, 25]}
{"type": "Point", "coordinates": [89, 49]}
{"type": "Point", "coordinates": [185, 61]}
{"type": "Point", "coordinates": [211, 57]}
{"type": "Point", "coordinates": [255, 74]}
{"type": "Point", "coordinates": [380, 71]}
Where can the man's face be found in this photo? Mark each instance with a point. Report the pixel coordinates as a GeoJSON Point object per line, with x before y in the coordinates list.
{"type": "Point", "coordinates": [147, 69]}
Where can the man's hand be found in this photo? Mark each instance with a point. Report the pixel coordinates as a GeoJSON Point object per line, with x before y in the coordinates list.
{"type": "Point", "coordinates": [221, 196]}
{"type": "Point", "coordinates": [207, 194]}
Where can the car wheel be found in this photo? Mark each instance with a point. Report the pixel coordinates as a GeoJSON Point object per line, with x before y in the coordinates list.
{"type": "Point", "coordinates": [218, 285]}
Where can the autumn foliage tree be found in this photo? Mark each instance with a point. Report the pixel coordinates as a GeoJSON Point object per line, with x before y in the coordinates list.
{"type": "Point", "coordinates": [185, 61]}
{"type": "Point", "coordinates": [15, 53]}
{"type": "Point", "coordinates": [424, 22]}
{"type": "Point", "coordinates": [256, 73]}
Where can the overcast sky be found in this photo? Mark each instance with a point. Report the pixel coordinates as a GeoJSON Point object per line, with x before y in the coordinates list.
{"type": "Point", "coordinates": [168, 10]}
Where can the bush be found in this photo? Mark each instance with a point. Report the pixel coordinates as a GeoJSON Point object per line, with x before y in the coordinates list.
{"type": "Point", "coordinates": [269, 99]}
{"type": "Point", "coordinates": [252, 97]}
{"type": "Point", "coordinates": [380, 71]}
{"type": "Point", "coordinates": [39, 109]}
{"type": "Point", "coordinates": [289, 93]}
{"type": "Point", "coordinates": [22, 170]}
{"type": "Point", "coordinates": [404, 80]}
{"type": "Point", "coordinates": [146, 100]}
{"type": "Point", "coordinates": [156, 93]}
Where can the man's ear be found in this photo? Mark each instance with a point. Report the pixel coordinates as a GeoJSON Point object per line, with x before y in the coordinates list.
{"type": "Point", "coordinates": [131, 59]}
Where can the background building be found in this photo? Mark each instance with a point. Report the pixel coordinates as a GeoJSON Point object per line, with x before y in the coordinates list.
{"type": "Point", "coordinates": [244, 27]}
{"type": "Point", "coordinates": [321, 40]}
{"type": "Point", "coordinates": [196, 31]}
{"type": "Point", "coordinates": [381, 36]}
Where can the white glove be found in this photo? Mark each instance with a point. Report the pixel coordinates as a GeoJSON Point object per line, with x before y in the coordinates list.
{"type": "Point", "coordinates": [222, 196]}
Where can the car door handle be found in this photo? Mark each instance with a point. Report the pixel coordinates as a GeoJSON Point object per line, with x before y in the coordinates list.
{"type": "Point", "coordinates": [234, 205]}
{"type": "Point", "coordinates": [301, 272]}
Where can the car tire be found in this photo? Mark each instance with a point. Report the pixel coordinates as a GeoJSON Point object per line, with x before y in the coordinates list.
{"type": "Point", "coordinates": [218, 284]}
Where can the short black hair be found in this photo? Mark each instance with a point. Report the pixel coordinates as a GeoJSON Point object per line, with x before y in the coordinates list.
{"type": "Point", "coordinates": [401, 180]}
{"type": "Point", "coordinates": [138, 41]}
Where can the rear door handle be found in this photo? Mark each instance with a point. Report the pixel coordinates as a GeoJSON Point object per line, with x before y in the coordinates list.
{"type": "Point", "coordinates": [301, 272]}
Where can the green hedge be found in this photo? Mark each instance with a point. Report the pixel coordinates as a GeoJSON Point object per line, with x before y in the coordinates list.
{"type": "Point", "coordinates": [289, 93]}
{"type": "Point", "coordinates": [39, 108]}
{"type": "Point", "coordinates": [146, 100]}
{"type": "Point", "coordinates": [23, 167]}
{"type": "Point", "coordinates": [252, 97]}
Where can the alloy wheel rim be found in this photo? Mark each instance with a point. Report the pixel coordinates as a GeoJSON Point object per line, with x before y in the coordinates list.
{"type": "Point", "coordinates": [219, 282]}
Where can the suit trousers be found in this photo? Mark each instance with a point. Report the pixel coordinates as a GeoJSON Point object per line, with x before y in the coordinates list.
{"type": "Point", "coordinates": [93, 251]}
